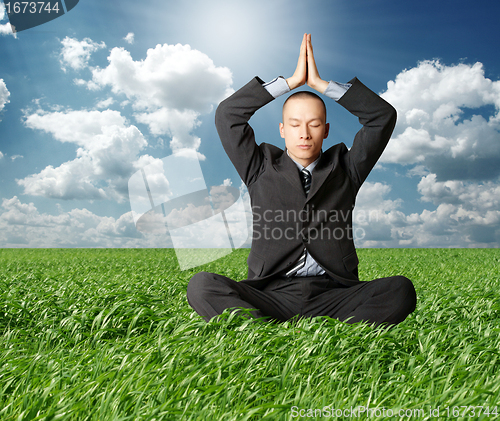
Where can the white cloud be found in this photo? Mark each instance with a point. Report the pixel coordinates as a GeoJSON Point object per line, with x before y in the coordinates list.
{"type": "Point", "coordinates": [466, 216]}
{"type": "Point", "coordinates": [4, 95]}
{"type": "Point", "coordinates": [223, 197]}
{"type": "Point", "coordinates": [22, 225]}
{"type": "Point", "coordinates": [107, 155]}
{"type": "Point", "coordinates": [76, 54]}
{"type": "Point", "coordinates": [375, 215]}
{"type": "Point", "coordinates": [169, 89]}
{"type": "Point", "coordinates": [68, 181]}
{"type": "Point", "coordinates": [470, 195]}
{"type": "Point", "coordinates": [187, 215]}
{"type": "Point", "coordinates": [79, 127]}
{"type": "Point", "coordinates": [451, 226]}
{"type": "Point", "coordinates": [91, 86]}
{"type": "Point", "coordinates": [1, 155]}
{"type": "Point", "coordinates": [130, 38]}
{"type": "Point", "coordinates": [14, 157]}
{"type": "Point", "coordinates": [418, 170]}
{"type": "Point", "coordinates": [105, 103]}
{"type": "Point", "coordinates": [439, 123]}
{"type": "Point", "coordinates": [176, 124]}
{"type": "Point", "coordinates": [160, 80]}
{"type": "Point", "coordinates": [448, 130]}
{"type": "Point", "coordinates": [17, 213]}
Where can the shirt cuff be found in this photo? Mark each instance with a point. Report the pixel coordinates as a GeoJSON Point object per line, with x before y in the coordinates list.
{"type": "Point", "coordinates": [277, 87]}
{"type": "Point", "coordinates": [335, 90]}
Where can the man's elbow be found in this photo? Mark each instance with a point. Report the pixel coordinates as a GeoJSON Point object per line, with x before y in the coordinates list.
{"type": "Point", "coordinates": [392, 115]}
{"type": "Point", "coordinates": [221, 113]}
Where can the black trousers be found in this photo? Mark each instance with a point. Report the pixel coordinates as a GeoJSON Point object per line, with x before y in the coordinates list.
{"type": "Point", "coordinates": [381, 301]}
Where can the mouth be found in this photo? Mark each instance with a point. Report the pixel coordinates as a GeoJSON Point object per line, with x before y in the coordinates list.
{"type": "Point", "coordinates": [304, 146]}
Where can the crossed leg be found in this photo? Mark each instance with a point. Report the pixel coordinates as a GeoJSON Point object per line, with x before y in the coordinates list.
{"type": "Point", "coordinates": [381, 301]}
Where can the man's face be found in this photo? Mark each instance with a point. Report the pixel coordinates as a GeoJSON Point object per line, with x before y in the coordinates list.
{"type": "Point", "coordinates": [304, 128]}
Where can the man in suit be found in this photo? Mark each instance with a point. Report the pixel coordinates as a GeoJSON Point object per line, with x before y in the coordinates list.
{"type": "Point", "coordinates": [303, 262]}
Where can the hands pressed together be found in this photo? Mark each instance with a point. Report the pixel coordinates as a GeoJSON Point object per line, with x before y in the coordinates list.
{"type": "Point", "coordinates": [306, 71]}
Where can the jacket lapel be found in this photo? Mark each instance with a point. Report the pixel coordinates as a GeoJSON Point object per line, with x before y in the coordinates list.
{"type": "Point", "coordinates": [285, 166]}
{"type": "Point", "coordinates": [319, 174]}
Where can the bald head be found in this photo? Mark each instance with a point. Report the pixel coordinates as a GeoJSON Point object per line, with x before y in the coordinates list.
{"type": "Point", "coordinates": [304, 95]}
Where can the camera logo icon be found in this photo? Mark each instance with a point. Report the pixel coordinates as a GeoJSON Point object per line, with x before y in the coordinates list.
{"type": "Point", "coordinates": [28, 14]}
{"type": "Point", "coordinates": [171, 196]}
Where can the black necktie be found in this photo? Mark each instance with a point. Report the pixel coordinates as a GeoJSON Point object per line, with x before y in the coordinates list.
{"type": "Point", "coordinates": [305, 176]}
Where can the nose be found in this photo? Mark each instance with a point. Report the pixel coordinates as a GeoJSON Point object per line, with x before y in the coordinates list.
{"type": "Point", "coordinates": [304, 132]}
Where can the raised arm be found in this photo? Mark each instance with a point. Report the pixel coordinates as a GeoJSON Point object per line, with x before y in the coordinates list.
{"type": "Point", "coordinates": [378, 118]}
{"type": "Point", "coordinates": [236, 135]}
{"type": "Point", "coordinates": [376, 115]}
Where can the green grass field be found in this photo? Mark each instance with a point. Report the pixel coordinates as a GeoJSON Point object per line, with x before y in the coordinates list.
{"type": "Point", "coordinates": [90, 334]}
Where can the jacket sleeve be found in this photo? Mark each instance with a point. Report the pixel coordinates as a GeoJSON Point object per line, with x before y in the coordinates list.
{"type": "Point", "coordinates": [236, 135]}
{"type": "Point", "coordinates": [378, 118]}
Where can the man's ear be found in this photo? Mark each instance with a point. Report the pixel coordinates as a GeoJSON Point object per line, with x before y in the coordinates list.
{"type": "Point", "coordinates": [327, 130]}
{"type": "Point", "coordinates": [282, 130]}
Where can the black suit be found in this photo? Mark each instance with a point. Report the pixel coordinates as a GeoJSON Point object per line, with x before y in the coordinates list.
{"type": "Point", "coordinates": [285, 220]}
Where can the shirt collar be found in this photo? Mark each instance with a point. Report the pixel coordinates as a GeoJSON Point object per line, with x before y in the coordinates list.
{"type": "Point", "coordinates": [310, 167]}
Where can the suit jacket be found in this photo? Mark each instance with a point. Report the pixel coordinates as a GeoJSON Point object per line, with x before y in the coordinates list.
{"type": "Point", "coordinates": [284, 219]}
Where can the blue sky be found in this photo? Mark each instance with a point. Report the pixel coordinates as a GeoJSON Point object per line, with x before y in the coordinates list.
{"type": "Point", "coordinates": [90, 98]}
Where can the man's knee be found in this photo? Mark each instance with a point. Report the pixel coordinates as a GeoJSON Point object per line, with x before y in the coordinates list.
{"type": "Point", "coordinates": [406, 292]}
{"type": "Point", "coordinates": [198, 286]}
{"type": "Point", "coordinates": [205, 285]}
